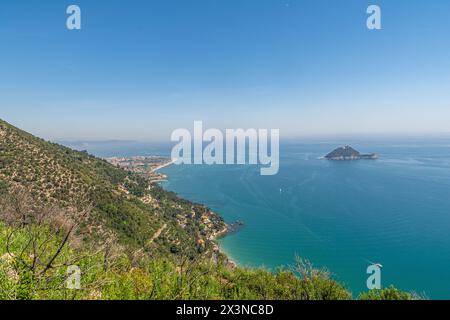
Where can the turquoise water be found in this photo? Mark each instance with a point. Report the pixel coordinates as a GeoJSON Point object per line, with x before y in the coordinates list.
{"type": "Point", "coordinates": [339, 215]}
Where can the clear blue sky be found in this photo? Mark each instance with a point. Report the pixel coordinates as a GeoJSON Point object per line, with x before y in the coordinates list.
{"type": "Point", "coordinates": [139, 69]}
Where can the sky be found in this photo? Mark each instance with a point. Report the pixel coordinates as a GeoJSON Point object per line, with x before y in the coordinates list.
{"type": "Point", "coordinates": [139, 69]}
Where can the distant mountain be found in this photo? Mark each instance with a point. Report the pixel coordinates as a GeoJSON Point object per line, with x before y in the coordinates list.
{"type": "Point", "coordinates": [348, 153]}
{"type": "Point", "coordinates": [124, 203]}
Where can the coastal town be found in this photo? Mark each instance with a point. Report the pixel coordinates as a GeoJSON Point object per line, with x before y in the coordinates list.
{"type": "Point", "coordinates": [211, 224]}
{"type": "Point", "coordinates": [146, 166]}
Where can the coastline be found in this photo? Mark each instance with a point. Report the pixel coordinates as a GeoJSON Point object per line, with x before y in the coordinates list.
{"type": "Point", "coordinates": [227, 229]}
{"type": "Point", "coordinates": [218, 251]}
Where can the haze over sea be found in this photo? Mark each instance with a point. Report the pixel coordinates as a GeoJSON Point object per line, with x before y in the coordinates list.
{"type": "Point", "coordinates": [339, 215]}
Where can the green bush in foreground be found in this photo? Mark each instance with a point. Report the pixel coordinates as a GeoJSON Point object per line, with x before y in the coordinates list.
{"type": "Point", "coordinates": [119, 277]}
{"type": "Point", "coordinates": [21, 277]}
{"type": "Point", "coordinates": [390, 293]}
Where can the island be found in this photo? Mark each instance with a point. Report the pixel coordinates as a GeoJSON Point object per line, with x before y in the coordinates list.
{"type": "Point", "coordinates": [348, 153]}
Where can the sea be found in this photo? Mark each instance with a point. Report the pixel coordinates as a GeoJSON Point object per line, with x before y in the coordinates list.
{"type": "Point", "coordinates": [341, 216]}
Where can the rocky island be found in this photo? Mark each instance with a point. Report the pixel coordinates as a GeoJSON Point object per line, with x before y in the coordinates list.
{"type": "Point", "coordinates": [348, 153]}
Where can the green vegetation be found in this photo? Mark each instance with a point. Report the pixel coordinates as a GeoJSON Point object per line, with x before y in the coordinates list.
{"type": "Point", "coordinates": [123, 277]}
{"type": "Point", "coordinates": [390, 293]}
{"type": "Point", "coordinates": [130, 239]}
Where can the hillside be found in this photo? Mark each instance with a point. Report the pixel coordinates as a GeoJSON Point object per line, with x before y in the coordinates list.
{"type": "Point", "coordinates": [124, 204]}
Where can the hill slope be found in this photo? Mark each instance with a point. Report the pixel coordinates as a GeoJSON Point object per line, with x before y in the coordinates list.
{"type": "Point", "coordinates": [139, 214]}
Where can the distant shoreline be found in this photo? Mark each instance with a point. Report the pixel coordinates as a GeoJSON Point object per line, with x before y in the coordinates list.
{"type": "Point", "coordinates": [168, 164]}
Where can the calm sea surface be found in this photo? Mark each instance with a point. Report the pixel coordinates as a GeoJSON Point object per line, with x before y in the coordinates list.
{"type": "Point", "coordinates": [339, 215]}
